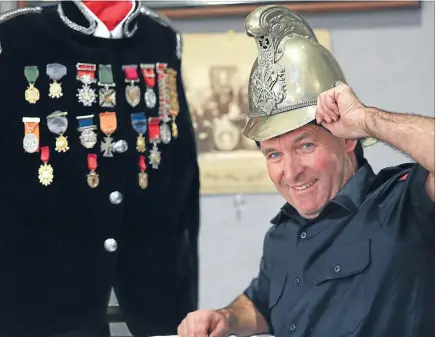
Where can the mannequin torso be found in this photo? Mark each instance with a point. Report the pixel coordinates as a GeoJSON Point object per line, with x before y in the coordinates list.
{"type": "Point", "coordinates": [100, 191]}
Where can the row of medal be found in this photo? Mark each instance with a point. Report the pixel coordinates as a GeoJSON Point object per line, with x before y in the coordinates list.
{"type": "Point", "coordinates": [87, 95]}
{"type": "Point", "coordinates": [57, 123]}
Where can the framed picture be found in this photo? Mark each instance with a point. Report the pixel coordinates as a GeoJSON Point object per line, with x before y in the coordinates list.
{"type": "Point", "coordinates": [216, 70]}
{"type": "Point", "coordinates": [203, 8]}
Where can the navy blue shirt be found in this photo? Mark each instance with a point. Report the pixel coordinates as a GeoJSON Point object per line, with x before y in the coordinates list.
{"type": "Point", "coordinates": [363, 268]}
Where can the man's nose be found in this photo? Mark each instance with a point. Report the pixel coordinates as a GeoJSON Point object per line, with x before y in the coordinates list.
{"type": "Point", "coordinates": [293, 170]}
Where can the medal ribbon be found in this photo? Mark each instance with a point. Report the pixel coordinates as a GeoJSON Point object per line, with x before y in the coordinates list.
{"type": "Point", "coordinates": [108, 122]}
{"type": "Point", "coordinates": [92, 161]}
{"type": "Point", "coordinates": [131, 73]}
{"type": "Point", "coordinates": [31, 73]}
{"type": "Point", "coordinates": [56, 71]}
{"type": "Point", "coordinates": [85, 121]}
{"type": "Point", "coordinates": [105, 74]}
{"type": "Point", "coordinates": [147, 71]}
{"type": "Point", "coordinates": [154, 130]}
{"type": "Point", "coordinates": [45, 154]}
{"type": "Point", "coordinates": [57, 122]}
{"type": "Point", "coordinates": [142, 165]}
{"type": "Point", "coordinates": [139, 123]}
{"type": "Point", "coordinates": [85, 69]}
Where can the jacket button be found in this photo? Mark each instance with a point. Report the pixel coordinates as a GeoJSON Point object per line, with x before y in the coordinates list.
{"type": "Point", "coordinates": [116, 198]}
{"type": "Point", "coordinates": [338, 268]}
{"type": "Point", "coordinates": [303, 235]}
{"type": "Point", "coordinates": [110, 245]}
{"type": "Point", "coordinates": [292, 327]}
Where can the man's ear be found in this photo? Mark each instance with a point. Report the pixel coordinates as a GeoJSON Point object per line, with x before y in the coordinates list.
{"type": "Point", "coordinates": [350, 144]}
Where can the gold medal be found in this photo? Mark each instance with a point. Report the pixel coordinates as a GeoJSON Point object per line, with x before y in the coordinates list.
{"type": "Point", "coordinates": [32, 94]}
{"type": "Point", "coordinates": [142, 175]}
{"type": "Point", "coordinates": [92, 178]}
{"type": "Point", "coordinates": [55, 72]}
{"type": "Point", "coordinates": [62, 144]}
{"type": "Point", "coordinates": [140, 143]}
{"type": "Point", "coordinates": [45, 172]}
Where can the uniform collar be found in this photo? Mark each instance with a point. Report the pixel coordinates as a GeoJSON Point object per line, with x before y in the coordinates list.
{"type": "Point", "coordinates": [349, 198]}
{"type": "Point", "coordinates": [78, 17]}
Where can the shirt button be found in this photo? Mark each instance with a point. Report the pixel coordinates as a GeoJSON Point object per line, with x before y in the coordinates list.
{"type": "Point", "coordinates": [110, 245]}
{"type": "Point", "coordinates": [297, 281]}
{"type": "Point", "coordinates": [338, 268]}
{"type": "Point", "coordinates": [303, 235]}
{"type": "Point", "coordinates": [116, 198]}
{"type": "Point", "coordinates": [292, 327]}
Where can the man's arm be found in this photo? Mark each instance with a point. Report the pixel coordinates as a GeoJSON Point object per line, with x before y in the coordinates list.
{"type": "Point", "coordinates": [412, 134]}
{"type": "Point", "coordinates": [244, 318]}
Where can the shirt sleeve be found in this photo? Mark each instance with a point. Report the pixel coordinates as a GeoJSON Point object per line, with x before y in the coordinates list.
{"type": "Point", "coordinates": [259, 289]}
{"type": "Point", "coordinates": [418, 208]}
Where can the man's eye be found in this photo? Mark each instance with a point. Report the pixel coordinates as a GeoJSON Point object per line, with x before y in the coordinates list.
{"type": "Point", "coordinates": [274, 155]}
{"type": "Point", "coordinates": [307, 146]}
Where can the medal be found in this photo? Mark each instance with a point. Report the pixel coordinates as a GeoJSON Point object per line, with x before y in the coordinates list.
{"type": "Point", "coordinates": [139, 124]}
{"type": "Point", "coordinates": [142, 176]}
{"type": "Point", "coordinates": [31, 134]}
{"type": "Point", "coordinates": [133, 93]}
{"type": "Point", "coordinates": [86, 75]}
{"type": "Point", "coordinates": [107, 94]}
{"type": "Point", "coordinates": [55, 71]}
{"type": "Point", "coordinates": [173, 100]}
{"type": "Point", "coordinates": [88, 138]}
{"type": "Point", "coordinates": [92, 178]}
{"type": "Point", "coordinates": [45, 172]}
{"type": "Point", "coordinates": [154, 138]}
{"type": "Point", "coordinates": [149, 76]}
{"type": "Point", "coordinates": [57, 123]}
{"type": "Point", "coordinates": [108, 125]}
{"type": "Point", "coordinates": [32, 93]}
{"type": "Point", "coordinates": [162, 78]}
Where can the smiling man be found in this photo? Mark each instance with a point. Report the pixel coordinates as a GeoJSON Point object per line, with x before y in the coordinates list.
{"type": "Point", "coordinates": [351, 253]}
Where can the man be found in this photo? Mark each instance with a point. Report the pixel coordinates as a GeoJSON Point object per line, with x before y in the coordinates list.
{"type": "Point", "coordinates": [351, 252]}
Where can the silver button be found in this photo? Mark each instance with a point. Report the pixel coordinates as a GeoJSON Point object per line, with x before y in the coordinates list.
{"type": "Point", "coordinates": [116, 198]}
{"type": "Point", "coordinates": [292, 327]}
{"type": "Point", "coordinates": [110, 245]}
{"type": "Point", "coordinates": [338, 268]}
{"type": "Point", "coordinates": [120, 146]}
{"type": "Point", "coordinates": [303, 235]}
{"type": "Point", "coordinates": [297, 281]}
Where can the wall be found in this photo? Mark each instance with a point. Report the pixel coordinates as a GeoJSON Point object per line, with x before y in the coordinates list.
{"type": "Point", "coordinates": [388, 58]}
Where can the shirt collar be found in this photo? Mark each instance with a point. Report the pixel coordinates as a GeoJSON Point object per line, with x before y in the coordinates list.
{"type": "Point", "coordinates": [80, 18]}
{"type": "Point", "coordinates": [102, 31]}
{"type": "Point", "coordinates": [350, 197]}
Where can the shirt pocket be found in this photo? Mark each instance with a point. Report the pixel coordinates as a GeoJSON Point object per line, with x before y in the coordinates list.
{"type": "Point", "coordinates": [340, 289]}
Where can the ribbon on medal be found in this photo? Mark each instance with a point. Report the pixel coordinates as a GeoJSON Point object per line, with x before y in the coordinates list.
{"type": "Point", "coordinates": [31, 134]}
{"type": "Point", "coordinates": [154, 137]}
{"type": "Point", "coordinates": [88, 138]}
{"type": "Point", "coordinates": [163, 102]}
{"type": "Point", "coordinates": [133, 93]}
{"type": "Point", "coordinates": [142, 175]}
{"type": "Point", "coordinates": [108, 125]}
{"type": "Point", "coordinates": [173, 99]}
{"type": "Point", "coordinates": [32, 93]}
{"type": "Point", "coordinates": [55, 72]}
{"type": "Point", "coordinates": [107, 94]}
{"type": "Point", "coordinates": [148, 73]}
{"type": "Point", "coordinates": [45, 172]}
{"type": "Point", "coordinates": [86, 75]}
{"type": "Point", "coordinates": [139, 124]}
{"type": "Point", "coordinates": [57, 123]}
{"type": "Point", "coordinates": [92, 178]}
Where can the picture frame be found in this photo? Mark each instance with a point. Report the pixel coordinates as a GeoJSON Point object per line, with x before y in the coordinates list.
{"type": "Point", "coordinates": [196, 9]}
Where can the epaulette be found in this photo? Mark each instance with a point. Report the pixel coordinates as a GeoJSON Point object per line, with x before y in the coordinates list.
{"type": "Point", "coordinates": [17, 12]}
{"type": "Point", "coordinates": [166, 22]}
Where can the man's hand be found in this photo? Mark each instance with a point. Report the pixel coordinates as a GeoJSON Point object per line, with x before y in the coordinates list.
{"type": "Point", "coordinates": [341, 112]}
{"type": "Point", "coordinates": [204, 323]}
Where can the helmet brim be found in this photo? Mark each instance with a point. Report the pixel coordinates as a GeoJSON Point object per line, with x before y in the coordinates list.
{"type": "Point", "coordinates": [262, 128]}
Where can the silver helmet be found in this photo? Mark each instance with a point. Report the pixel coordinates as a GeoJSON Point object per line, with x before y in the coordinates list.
{"type": "Point", "coordinates": [291, 70]}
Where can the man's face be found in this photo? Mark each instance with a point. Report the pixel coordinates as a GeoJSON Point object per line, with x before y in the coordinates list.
{"type": "Point", "coordinates": [309, 166]}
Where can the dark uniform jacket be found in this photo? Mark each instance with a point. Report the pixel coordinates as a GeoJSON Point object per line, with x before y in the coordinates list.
{"type": "Point", "coordinates": [363, 268]}
{"type": "Point", "coordinates": [77, 221]}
